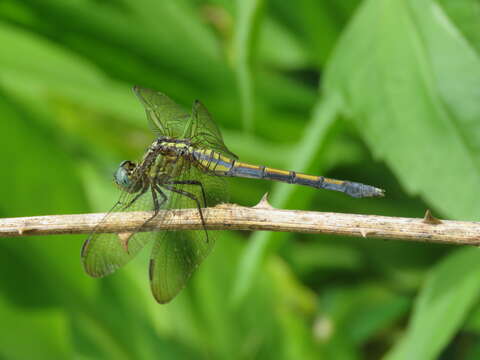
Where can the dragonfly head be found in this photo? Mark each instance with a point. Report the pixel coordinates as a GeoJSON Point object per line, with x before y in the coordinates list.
{"type": "Point", "coordinates": [123, 177]}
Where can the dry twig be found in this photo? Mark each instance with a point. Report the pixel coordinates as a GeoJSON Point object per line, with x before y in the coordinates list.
{"type": "Point", "coordinates": [260, 217]}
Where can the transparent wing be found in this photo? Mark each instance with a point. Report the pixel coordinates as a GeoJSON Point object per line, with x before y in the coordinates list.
{"type": "Point", "coordinates": [166, 118]}
{"type": "Point", "coordinates": [176, 254]}
{"type": "Point", "coordinates": [205, 133]}
{"type": "Point", "coordinates": [103, 253]}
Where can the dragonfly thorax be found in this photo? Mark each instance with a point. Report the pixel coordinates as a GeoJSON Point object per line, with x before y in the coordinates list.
{"type": "Point", "coordinates": [173, 147]}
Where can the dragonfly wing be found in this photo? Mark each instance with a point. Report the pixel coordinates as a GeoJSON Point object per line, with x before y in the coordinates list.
{"type": "Point", "coordinates": [166, 118]}
{"type": "Point", "coordinates": [174, 259]}
{"type": "Point", "coordinates": [177, 254]}
{"type": "Point", "coordinates": [205, 132]}
{"type": "Point", "coordinates": [103, 253]}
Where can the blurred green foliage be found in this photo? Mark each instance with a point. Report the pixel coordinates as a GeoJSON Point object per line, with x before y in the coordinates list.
{"type": "Point", "coordinates": [382, 92]}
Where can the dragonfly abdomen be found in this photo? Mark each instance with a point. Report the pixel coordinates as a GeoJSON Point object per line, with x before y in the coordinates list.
{"type": "Point", "coordinates": [240, 169]}
{"type": "Point", "coordinates": [351, 188]}
{"type": "Point", "coordinates": [212, 161]}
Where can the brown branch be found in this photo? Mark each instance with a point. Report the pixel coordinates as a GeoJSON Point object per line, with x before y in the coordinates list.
{"type": "Point", "coordinates": [260, 217]}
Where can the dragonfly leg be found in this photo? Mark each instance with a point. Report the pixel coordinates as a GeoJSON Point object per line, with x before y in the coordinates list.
{"type": "Point", "coordinates": [156, 190]}
{"type": "Point", "coordinates": [143, 191]}
{"type": "Point", "coordinates": [191, 196]}
{"type": "Point", "coordinates": [156, 204]}
{"type": "Point", "coordinates": [191, 182]}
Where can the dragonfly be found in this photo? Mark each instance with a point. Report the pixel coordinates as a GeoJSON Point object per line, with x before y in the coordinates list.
{"type": "Point", "coordinates": [184, 167]}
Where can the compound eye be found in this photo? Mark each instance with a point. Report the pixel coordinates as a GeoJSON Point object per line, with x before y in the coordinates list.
{"type": "Point", "coordinates": [123, 176]}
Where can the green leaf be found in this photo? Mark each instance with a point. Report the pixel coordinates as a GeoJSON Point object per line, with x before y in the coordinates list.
{"type": "Point", "coordinates": [464, 13]}
{"type": "Point", "coordinates": [449, 294]}
{"type": "Point", "coordinates": [33, 334]}
{"type": "Point", "coordinates": [278, 47]}
{"type": "Point", "coordinates": [248, 19]}
{"type": "Point", "coordinates": [33, 152]}
{"type": "Point", "coordinates": [355, 315]}
{"type": "Point", "coordinates": [74, 78]}
{"type": "Point", "coordinates": [411, 84]}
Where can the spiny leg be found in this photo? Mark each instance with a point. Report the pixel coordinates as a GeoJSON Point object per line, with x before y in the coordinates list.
{"type": "Point", "coordinates": [190, 182]}
{"type": "Point", "coordinates": [157, 205]}
{"type": "Point", "coordinates": [143, 191]}
{"type": "Point", "coordinates": [190, 196]}
{"type": "Point", "coordinates": [155, 190]}
{"type": "Point", "coordinates": [156, 208]}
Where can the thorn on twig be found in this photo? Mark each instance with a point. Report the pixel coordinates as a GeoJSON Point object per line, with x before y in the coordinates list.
{"type": "Point", "coordinates": [430, 219]}
{"type": "Point", "coordinates": [23, 229]}
{"type": "Point", "coordinates": [264, 204]}
{"type": "Point", "coordinates": [365, 233]}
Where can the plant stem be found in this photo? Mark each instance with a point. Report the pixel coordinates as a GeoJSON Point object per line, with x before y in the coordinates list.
{"type": "Point", "coordinates": [261, 217]}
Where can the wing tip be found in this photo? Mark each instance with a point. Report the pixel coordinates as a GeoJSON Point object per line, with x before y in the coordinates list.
{"type": "Point", "coordinates": [87, 266]}
{"type": "Point", "coordinates": [153, 288]}
{"type": "Point", "coordinates": [136, 89]}
{"type": "Point", "coordinates": [95, 271]}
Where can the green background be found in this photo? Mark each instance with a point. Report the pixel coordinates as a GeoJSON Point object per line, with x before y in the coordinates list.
{"type": "Point", "coordinates": [385, 92]}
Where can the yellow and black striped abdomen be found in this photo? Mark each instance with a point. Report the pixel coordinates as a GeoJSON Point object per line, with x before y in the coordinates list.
{"type": "Point", "coordinates": [220, 165]}
{"type": "Point", "coordinates": [212, 161]}
{"type": "Point", "coordinates": [351, 188]}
